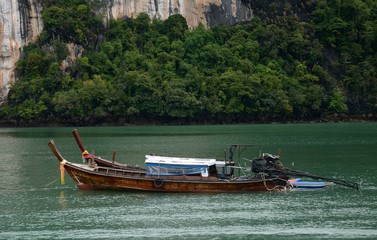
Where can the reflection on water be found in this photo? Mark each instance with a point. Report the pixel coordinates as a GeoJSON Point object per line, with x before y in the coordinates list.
{"type": "Point", "coordinates": [35, 206]}
{"type": "Point", "coordinates": [62, 200]}
{"type": "Point", "coordinates": [298, 215]}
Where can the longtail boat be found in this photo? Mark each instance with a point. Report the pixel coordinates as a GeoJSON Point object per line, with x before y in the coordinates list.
{"type": "Point", "coordinates": [99, 160]}
{"type": "Point", "coordinates": [177, 174]}
{"type": "Point", "coordinates": [172, 174]}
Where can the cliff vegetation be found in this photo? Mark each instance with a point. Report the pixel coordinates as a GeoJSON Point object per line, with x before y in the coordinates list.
{"type": "Point", "coordinates": [296, 60]}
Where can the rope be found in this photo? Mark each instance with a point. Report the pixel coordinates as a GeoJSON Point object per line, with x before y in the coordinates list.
{"type": "Point", "coordinates": [51, 183]}
{"type": "Point", "coordinates": [265, 184]}
{"type": "Point", "coordinates": [78, 181]}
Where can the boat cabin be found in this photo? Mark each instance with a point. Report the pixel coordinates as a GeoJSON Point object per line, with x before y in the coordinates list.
{"type": "Point", "coordinates": [176, 166]}
{"type": "Point", "coordinates": [206, 167]}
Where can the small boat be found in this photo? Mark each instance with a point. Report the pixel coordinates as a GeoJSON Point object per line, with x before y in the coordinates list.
{"type": "Point", "coordinates": [99, 160]}
{"type": "Point", "coordinates": [172, 174]}
{"type": "Point", "coordinates": [298, 183]}
{"type": "Point", "coordinates": [177, 174]}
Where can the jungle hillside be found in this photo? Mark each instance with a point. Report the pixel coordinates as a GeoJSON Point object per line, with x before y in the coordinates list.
{"type": "Point", "coordinates": [294, 61]}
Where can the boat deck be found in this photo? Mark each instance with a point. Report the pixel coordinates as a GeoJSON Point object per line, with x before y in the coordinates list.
{"type": "Point", "coordinates": [142, 174]}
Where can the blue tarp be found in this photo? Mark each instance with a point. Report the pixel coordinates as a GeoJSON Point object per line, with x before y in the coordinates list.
{"type": "Point", "coordinates": [156, 169]}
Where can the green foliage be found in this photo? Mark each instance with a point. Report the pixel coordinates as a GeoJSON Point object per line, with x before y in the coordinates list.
{"type": "Point", "coordinates": [88, 99]}
{"type": "Point", "coordinates": [174, 27]}
{"type": "Point", "coordinates": [71, 21]}
{"type": "Point", "coordinates": [350, 29]}
{"type": "Point", "coordinates": [30, 109]}
{"type": "Point", "coordinates": [337, 102]}
{"type": "Point", "coordinates": [298, 60]}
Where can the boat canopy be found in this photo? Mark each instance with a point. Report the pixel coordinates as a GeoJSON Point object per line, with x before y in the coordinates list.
{"type": "Point", "coordinates": [179, 160]}
{"type": "Point", "coordinates": [176, 166]}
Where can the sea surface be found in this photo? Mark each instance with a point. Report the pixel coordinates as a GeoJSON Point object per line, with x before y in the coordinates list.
{"type": "Point", "coordinates": [34, 204]}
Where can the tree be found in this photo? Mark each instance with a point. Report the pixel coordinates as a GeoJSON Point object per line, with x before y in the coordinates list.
{"type": "Point", "coordinates": [90, 100]}
{"type": "Point", "coordinates": [337, 102]}
{"type": "Point", "coordinates": [174, 27]}
{"type": "Point", "coordinates": [72, 22]}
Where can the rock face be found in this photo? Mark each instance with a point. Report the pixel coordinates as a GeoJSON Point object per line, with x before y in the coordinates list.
{"type": "Point", "coordinates": [21, 22]}
{"type": "Point", "coordinates": [208, 12]}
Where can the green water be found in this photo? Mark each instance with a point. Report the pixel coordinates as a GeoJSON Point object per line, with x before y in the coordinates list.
{"type": "Point", "coordinates": [33, 204]}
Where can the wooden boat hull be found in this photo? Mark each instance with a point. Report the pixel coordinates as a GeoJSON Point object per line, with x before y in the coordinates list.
{"type": "Point", "coordinates": [117, 179]}
{"type": "Point", "coordinates": [90, 176]}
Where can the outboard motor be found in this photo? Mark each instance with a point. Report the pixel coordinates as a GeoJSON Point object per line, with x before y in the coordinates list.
{"type": "Point", "coordinates": [267, 163]}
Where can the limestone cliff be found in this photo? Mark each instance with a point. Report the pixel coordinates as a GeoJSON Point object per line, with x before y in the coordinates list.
{"type": "Point", "coordinates": [208, 12]}
{"type": "Point", "coordinates": [21, 23]}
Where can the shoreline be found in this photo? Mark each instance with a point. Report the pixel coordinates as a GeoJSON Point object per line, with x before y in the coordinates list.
{"type": "Point", "coordinates": [175, 122]}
